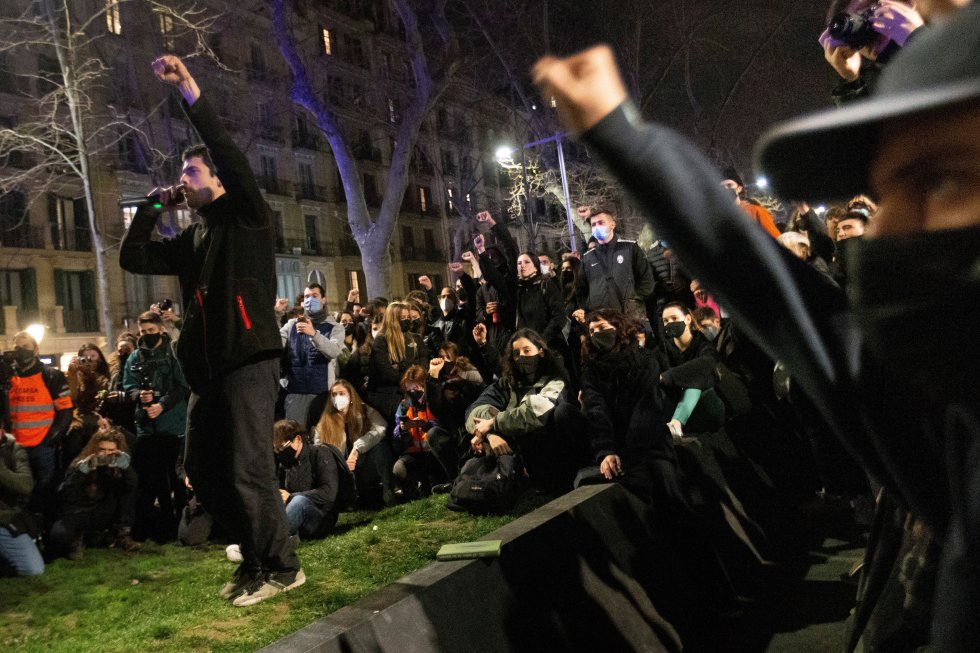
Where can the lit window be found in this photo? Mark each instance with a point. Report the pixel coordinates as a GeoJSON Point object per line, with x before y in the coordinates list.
{"type": "Point", "coordinates": [392, 111]}
{"type": "Point", "coordinates": [423, 200]}
{"type": "Point", "coordinates": [167, 30]}
{"type": "Point", "coordinates": [113, 18]}
{"type": "Point", "coordinates": [450, 191]}
{"type": "Point", "coordinates": [128, 213]}
{"type": "Point", "coordinates": [326, 40]}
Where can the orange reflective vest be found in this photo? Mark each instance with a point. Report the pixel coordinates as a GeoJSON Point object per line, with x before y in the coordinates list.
{"type": "Point", "coordinates": [32, 408]}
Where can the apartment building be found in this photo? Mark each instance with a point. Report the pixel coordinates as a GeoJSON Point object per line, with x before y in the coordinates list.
{"type": "Point", "coordinates": [47, 265]}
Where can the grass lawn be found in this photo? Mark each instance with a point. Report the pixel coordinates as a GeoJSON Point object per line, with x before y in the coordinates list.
{"type": "Point", "coordinates": [164, 598]}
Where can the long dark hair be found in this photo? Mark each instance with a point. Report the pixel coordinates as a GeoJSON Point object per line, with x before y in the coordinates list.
{"type": "Point", "coordinates": [507, 358]}
{"type": "Point", "coordinates": [102, 367]}
{"type": "Point", "coordinates": [568, 289]}
{"type": "Point", "coordinates": [626, 329]}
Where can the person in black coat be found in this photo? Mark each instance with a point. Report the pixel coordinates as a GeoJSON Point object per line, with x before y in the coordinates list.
{"type": "Point", "coordinates": [229, 346]}
{"type": "Point", "coordinates": [624, 409]}
{"type": "Point", "coordinates": [313, 486]}
{"type": "Point", "coordinates": [688, 359]}
{"type": "Point", "coordinates": [539, 304]}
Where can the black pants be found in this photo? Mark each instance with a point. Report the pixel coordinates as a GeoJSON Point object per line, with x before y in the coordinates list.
{"type": "Point", "coordinates": [230, 463]}
{"type": "Point", "coordinates": [155, 462]}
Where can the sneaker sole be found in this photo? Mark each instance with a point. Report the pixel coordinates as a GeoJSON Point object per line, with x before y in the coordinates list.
{"type": "Point", "coordinates": [246, 600]}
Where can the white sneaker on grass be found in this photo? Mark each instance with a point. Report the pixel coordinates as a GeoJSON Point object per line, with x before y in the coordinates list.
{"type": "Point", "coordinates": [272, 584]}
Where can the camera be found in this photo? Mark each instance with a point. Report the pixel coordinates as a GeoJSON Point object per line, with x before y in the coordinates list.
{"type": "Point", "coordinates": [144, 373]}
{"type": "Point", "coordinates": [855, 30]}
{"type": "Point", "coordinates": [165, 304]}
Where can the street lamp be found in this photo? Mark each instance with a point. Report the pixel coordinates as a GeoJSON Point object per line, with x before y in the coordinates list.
{"type": "Point", "coordinates": [36, 331]}
{"type": "Point", "coordinates": [504, 157]}
{"type": "Point", "coordinates": [762, 183]}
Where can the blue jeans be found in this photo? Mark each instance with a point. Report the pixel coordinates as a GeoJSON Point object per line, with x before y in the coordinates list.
{"type": "Point", "coordinates": [21, 553]}
{"type": "Point", "coordinates": [304, 517]}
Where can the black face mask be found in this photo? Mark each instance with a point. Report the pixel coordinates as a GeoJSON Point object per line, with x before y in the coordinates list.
{"type": "Point", "coordinates": [900, 284]}
{"type": "Point", "coordinates": [567, 277]}
{"type": "Point", "coordinates": [406, 325]}
{"type": "Point", "coordinates": [604, 341]}
{"type": "Point", "coordinates": [24, 358]}
{"type": "Point", "coordinates": [416, 397]}
{"type": "Point", "coordinates": [348, 329]}
{"type": "Point", "coordinates": [528, 366]}
{"type": "Point", "coordinates": [448, 368]}
{"type": "Point", "coordinates": [150, 340]}
{"type": "Point", "coordinates": [674, 329]}
{"type": "Point", "coordinates": [415, 325]}
{"type": "Point", "coordinates": [286, 457]}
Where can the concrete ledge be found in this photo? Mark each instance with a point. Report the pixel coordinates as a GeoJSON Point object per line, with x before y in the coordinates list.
{"type": "Point", "coordinates": [582, 572]}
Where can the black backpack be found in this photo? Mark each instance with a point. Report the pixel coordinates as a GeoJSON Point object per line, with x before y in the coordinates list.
{"type": "Point", "coordinates": [488, 484]}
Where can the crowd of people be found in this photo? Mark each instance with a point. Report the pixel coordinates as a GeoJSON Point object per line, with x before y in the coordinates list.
{"type": "Point", "coordinates": [777, 342]}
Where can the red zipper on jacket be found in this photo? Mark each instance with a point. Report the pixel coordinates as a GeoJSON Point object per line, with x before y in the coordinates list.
{"type": "Point", "coordinates": [204, 324]}
{"type": "Point", "coordinates": [241, 309]}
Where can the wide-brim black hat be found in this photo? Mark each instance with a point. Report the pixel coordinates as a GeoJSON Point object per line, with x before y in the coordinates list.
{"type": "Point", "coordinates": [827, 155]}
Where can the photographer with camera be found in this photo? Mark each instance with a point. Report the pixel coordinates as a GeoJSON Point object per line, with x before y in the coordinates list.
{"type": "Point", "coordinates": [861, 37]}
{"type": "Point", "coordinates": [153, 379]}
{"type": "Point", "coordinates": [40, 412]}
{"type": "Point", "coordinates": [88, 380]}
{"type": "Point", "coordinates": [99, 493]}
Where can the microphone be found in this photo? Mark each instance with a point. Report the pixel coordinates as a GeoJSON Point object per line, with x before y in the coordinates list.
{"type": "Point", "coordinates": [136, 202]}
{"type": "Point", "coordinates": [154, 199]}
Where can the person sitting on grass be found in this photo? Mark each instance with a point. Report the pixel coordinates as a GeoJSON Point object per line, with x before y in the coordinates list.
{"type": "Point", "coordinates": [18, 528]}
{"type": "Point", "coordinates": [357, 430]}
{"type": "Point", "coordinates": [99, 493]}
{"type": "Point", "coordinates": [415, 423]}
{"type": "Point", "coordinates": [517, 410]}
{"type": "Point", "coordinates": [314, 481]}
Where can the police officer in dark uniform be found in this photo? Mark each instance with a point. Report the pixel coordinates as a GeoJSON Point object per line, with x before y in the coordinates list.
{"type": "Point", "coordinates": [615, 274]}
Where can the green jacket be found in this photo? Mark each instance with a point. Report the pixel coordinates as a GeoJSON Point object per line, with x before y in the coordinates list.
{"type": "Point", "coordinates": [161, 369]}
{"type": "Point", "coordinates": [518, 414]}
{"type": "Point", "coordinates": [16, 481]}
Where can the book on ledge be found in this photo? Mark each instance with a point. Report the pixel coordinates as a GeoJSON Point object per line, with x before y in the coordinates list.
{"type": "Point", "coordinates": [467, 550]}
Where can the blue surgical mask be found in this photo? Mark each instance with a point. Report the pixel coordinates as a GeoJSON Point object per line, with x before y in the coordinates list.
{"type": "Point", "coordinates": [601, 233]}
{"type": "Point", "coordinates": [312, 305]}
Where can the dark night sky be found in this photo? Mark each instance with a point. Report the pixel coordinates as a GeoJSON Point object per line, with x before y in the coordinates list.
{"type": "Point", "coordinates": [720, 71]}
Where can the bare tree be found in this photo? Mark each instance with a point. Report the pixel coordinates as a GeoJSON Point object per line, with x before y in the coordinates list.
{"type": "Point", "coordinates": [431, 56]}
{"type": "Point", "coordinates": [67, 127]}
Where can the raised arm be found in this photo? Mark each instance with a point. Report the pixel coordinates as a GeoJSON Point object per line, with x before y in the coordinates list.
{"type": "Point", "coordinates": [234, 170]}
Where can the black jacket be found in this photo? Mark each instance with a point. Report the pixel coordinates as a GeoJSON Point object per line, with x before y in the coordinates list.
{"type": "Point", "coordinates": [692, 368]}
{"type": "Point", "coordinates": [624, 407]}
{"type": "Point", "coordinates": [615, 275]}
{"type": "Point", "coordinates": [539, 307]}
{"type": "Point", "coordinates": [316, 476]}
{"type": "Point", "coordinates": [16, 481]}
{"type": "Point", "coordinates": [229, 319]}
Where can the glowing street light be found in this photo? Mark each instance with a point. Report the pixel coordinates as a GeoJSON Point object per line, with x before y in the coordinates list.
{"type": "Point", "coordinates": [761, 182]}
{"type": "Point", "coordinates": [504, 154]}
{"type": "Point", "coordinates": [36, 331]}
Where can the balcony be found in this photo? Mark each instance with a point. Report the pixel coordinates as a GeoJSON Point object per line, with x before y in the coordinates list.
{"type": "Point", "coordinates": [306, 141]}
{"type": "Point", "coordinates": [23, 237]}
{"type": "Point", "coordinates": [367, 153]}
{"type": "Point", "coordinates": [349, 248]}
{"type": "Point", "coordinates": [408, 253]}
{"type": "Point", "coordinates": [311, 192]}
{"type": "Point", "coordinates": [81, 320]}
{"type": "Point", "coordinates": [274, 186]}
{"type": "Point", "coordinates": [434, 255]}
{"type": "Point", "coordinates": [76, 239]}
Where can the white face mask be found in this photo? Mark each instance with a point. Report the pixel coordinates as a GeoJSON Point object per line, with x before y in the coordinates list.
{"type": "Point", "coordinates": [445, 304]}
{"type": "Point", "coordinates": [375, 331]}
{"type": "Point", "coordinates": [545, 268]}
{"type": "Point", "coordinates": [340, 402]}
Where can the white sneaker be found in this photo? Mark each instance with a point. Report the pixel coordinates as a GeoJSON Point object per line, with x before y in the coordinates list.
{"type": "Point", "coordinates": [273, 584]}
